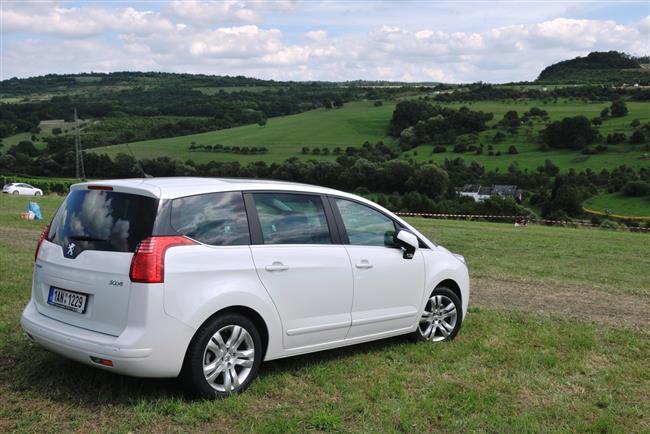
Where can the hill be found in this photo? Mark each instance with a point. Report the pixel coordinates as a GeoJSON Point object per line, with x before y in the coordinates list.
{"type": "Point", "coordinates": [609, 67]}
{"type": "Point", "coordinates": [351, 125]}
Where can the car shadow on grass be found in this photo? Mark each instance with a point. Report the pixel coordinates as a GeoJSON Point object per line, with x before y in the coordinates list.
{"type": "Point", "coordinates": [34, 370]}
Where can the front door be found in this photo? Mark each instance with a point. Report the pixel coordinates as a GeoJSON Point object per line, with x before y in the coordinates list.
{"type": "Point", "coordinates": [388, 289]}
{"type": "Point", "coordinates": [308, 277]}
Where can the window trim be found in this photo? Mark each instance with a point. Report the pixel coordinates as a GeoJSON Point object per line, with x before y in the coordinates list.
{"type": "Point", "coordinates": [257, 237]}
{"type": "Point", "coordinates": [341, 226]}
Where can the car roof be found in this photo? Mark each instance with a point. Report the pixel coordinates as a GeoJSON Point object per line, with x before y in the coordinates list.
{"type": "Point", "coordinates": [173, 187]}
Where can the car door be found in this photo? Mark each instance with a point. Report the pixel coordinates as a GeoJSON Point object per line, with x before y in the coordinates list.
{"type": "Point", "coordinates": [23, 189]}
{"type": "Point", "coordinates": [388, 288]}
{"type": "Point", "coordinates": [301, 264]}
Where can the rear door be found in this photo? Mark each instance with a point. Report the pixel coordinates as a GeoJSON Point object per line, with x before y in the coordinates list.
{"type": "Point", "coordinates": [388, 289]}
{"type": "Point", "coordinates": [307, 273]}
{"type": "Point", "coordinates": [82, 271]}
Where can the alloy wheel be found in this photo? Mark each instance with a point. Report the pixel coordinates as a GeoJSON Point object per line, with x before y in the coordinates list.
{"type": "Point", "coordinates": [228, 358]}
{"type": "Point", "coordinates": [438, 319]}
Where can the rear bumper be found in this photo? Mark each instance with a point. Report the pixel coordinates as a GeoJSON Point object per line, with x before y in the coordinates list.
{"type": "Point", "coordinates": [136, 352]}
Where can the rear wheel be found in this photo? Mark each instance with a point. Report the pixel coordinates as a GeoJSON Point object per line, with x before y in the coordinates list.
{"type": "Point", "coordinates": [441, 318]}
{"type": "Point", "coordinates": [15, 192]}
{"type": "Point", "coordinates": [224, 357]}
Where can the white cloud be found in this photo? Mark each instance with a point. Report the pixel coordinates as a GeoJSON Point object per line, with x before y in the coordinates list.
{"type": "Point", "coordinates": [237, 37]}
{"type": "Point", "coordinates": [209, 13]}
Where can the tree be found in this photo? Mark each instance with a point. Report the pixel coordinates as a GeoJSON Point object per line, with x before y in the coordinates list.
{"type": "Point", "coordinates": [636, 188]}
{"type": "Point", "coordinates": [24, 147]}
{"type": "Point", "coordinates": [56, 131]}
{"type": "Point", "coordinates": [637, 137]}
{"type": "Point", "coordinates": [327, 104]}
{"type": "Point", "coordinates": [512, 150]}
{"type": "Point", "coordinates": [429, 179]}
{"type": "Point", "coordinates": [604, 113]}
{"type": "Point", "coordinates": [571, 132]}
{"type": "Point", "coordinates": [618, 108]}
{"type": "Point", "coordinates": [262, 121]}
{"type": "Point", "coordinates": [338, 102]}
{"type": "Point", "coordinates": [305, 150]}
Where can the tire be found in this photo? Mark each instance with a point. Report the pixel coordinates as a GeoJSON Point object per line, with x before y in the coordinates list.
{"type": "Point", "coordinates": [441, 318]}
{"type": "Point", "coordinates": [212, 350]}
{"type": "Point", "coordinates": [16, 192]}
{"type": "Point", "coordinates": [38, 193]}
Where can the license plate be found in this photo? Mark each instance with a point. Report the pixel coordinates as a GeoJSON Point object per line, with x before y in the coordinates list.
{"type": "Point", "coordinates": [69, 300]}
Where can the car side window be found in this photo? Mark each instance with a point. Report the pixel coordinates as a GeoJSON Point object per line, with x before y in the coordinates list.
{"type": "Point", "coordinates": [288, 218]}
{"type": "Point", "coordinates": [217, 219]}
{"type": "Point", "coordinates": [366, 226]}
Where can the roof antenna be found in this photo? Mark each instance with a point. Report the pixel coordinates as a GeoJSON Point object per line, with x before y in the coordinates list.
{"type": "Point", "coordinates": [144, 174]}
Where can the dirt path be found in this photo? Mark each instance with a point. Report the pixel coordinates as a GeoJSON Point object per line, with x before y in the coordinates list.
{"type": "Point", "coordinates": [566, 301]}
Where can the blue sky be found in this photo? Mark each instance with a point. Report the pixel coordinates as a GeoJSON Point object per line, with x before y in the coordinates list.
{"type": "Point", "coordinates": [458, 41]}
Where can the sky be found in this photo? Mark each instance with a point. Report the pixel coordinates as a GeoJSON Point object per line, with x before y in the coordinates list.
{"type": "Point", "coordinates": [447, 41]}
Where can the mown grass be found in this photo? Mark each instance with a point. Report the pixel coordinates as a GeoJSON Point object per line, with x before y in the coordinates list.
{"type": "Point", "coordinates": [616, 203]}
{"type": "Point", "coordinates": [506, 371]}
{"type": "Point", "coordinates": [529, 154]}
{"type": "Point", "coordinates": [350, 125]}
{"type": "Point", "coordinates": [357, 122]}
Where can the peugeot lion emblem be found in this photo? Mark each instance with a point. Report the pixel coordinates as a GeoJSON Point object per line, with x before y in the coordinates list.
{"type": "Point", "coordinates": [71, 247]}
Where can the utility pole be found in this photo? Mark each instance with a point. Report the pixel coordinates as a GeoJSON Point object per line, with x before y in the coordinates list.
{"type": "Point", "coordinates": [79, 163]}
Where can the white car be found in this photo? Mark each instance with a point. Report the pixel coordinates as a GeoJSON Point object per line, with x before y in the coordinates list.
{"type": "Point", "coordinates": [22, 189]}
{"type": "Point", "coordinates": [207, 278]}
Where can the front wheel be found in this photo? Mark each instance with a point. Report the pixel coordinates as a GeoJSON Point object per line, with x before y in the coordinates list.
{"type": "Point", "coordinates": [38, 193]}
{"type": "Point", "coordinates": [15, 192]}
{"type": "Point", "coordinates": [441, 318]}
{"type": "Point", "coordinates": [224, 357]}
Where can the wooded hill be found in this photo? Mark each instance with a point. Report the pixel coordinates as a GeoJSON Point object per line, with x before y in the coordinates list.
{"type": "Point", "coordinates": [598, 67]}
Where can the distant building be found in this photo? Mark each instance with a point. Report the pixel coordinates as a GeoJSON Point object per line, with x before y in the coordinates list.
{"type": "Point", "coordinates": [480, 193]}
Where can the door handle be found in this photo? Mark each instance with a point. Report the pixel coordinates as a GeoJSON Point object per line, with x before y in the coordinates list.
{"type": "Point", "coordinates": [276, 266]}
{"type": "Point", "coordinates": [364, 264]}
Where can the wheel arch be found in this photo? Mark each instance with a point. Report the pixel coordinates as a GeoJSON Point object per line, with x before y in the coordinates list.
{"type": "Point", "coordinates": [453, 286]}
{"type": "Point", "coordinates": [247, 312]}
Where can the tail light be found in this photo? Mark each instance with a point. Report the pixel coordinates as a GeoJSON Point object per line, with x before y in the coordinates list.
{"type": "Point", "coordinates": [40, 240]}
{"type": "Point", "coordinates": [148, 263]}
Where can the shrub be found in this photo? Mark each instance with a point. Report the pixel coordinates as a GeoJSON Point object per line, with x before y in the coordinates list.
{"type": "Point", "coordinates": [460, 148]}
{"type": "Point", "coordinates": [512, 150]}
{"type": "Point", "coordinates": [637, 137]}
{"type": "Point", "coordinates": [615, 138]}
{"type": "Point", "coordinates": [618, 108]}
{"type": "Point", "coordinates": [636, 188]}
{"type": "Point", "coordinates": [439, 149]}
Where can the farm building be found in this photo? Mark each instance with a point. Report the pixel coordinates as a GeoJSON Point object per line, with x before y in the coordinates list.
{"type": "Point", "coordinates": [480, 193]}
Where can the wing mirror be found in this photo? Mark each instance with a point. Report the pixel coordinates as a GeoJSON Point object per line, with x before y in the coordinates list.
{"type": "Point", "coordinates": [408, 242]}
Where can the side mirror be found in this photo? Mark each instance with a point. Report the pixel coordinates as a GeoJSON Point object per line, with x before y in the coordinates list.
{"type": "Point", "coordinates": [408, 242]}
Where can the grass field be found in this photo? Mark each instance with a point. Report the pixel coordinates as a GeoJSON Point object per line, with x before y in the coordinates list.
{"type": "Point", "coordinates": [556, 340]}
{"type": "Point", "coordinates": [351, 125]}
{"type": "Point", "coordinates": [530, 157]}
{"type": "Point", "coordinates": [616, 203]}
{"type": "Point", "coordinates": [360, 121]}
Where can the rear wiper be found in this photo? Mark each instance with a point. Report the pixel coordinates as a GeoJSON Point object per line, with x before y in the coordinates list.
{"type": "Point", "coordinates": [85, 238]}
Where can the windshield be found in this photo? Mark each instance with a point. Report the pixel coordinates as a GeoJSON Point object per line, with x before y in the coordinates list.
{"type": "Point", "coordinates": [102, 220]}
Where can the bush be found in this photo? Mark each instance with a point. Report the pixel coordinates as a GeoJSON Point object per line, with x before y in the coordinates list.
{"type": "Point", "coordinates": [460, 148]}
{"type": "Point", "coordinates": [636, 188]}
{"type": "Point", "coordinates": [618, 108]}
{"type": "Point", "coordinates": [498, 137]}
{"type": "Point", "coordinates": [615, 138]}
{"type": "Point", "coordinates": [610, 224]}
{"type": "Point", "coordinates": [637, 138]}
{"type": "Point", "coordinates": [572, 132]}
{"type": "Point", "coordinates": [439, 149]}
{"type": "Point", "coordinates": [512, 150]}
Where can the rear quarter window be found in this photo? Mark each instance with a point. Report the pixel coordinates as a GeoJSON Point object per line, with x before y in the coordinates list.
{"type": "Point", "coordinates": [103, 220]}
{"type": "Point", "coordinates": [217, 219]}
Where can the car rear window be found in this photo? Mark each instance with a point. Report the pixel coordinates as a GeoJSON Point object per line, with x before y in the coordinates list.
{"type": "Point", "coordinates": [103, 220]}
{"type": "Point", "coordinates": [217, 219]}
